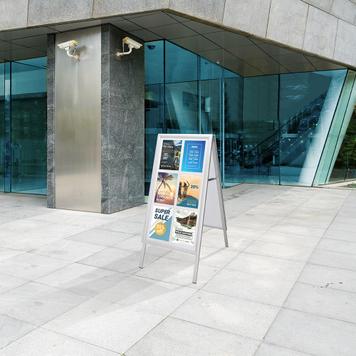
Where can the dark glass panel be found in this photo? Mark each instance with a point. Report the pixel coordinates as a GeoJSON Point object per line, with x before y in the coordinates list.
{"type": "Point", "coordinates": [28, 127]}
{"type": "Point", "coordinates": [307, 105]}
{"type": "Point", "coordinates": [345, 165]}
{"type": "Point", "coordinates": [210, 111]}
{"type": "Point", "coordinates": [181, 65]}
{"type": "Point", "coordinates": [181, 107]}
{"type": "Point", "coordinates": [233, 134]}
{"type": "Point", "coordinates": [209, 70]}
{"type": "Point", "coordinates": [259, 137]}
{"type": "Point", "coordinates": [154, 62]}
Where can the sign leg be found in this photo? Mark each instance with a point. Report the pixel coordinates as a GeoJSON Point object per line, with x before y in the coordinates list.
{"type": "Point", "coordinates": [196, 264]}
{"type": "Point", "coordinates": [143, 253]}
{"type": "Point", "coordinates": [225, 238]}
{"type": "Point", "coordinates": [196, 268]}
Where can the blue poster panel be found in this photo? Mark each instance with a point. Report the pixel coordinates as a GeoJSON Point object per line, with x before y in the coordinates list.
{"type": "Point", "coordinates": [193, 156]}
{"type": "Point", "coordinates": [160, 227]}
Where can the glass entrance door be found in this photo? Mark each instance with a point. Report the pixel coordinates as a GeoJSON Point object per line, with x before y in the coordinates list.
{"type": "Point", "coordinates": [23, 127]}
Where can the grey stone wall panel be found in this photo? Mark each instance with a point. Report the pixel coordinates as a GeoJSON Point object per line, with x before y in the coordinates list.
{"type": "Point", "coordinates": [321, 4]}
{"type": "Point", "coordinates": [280, 20]}
{"type": "Point", "coordinates": [287, 21]}
{"type": "Point", "coordinates": [13, 14]}
{"type": "Point", "coordinates": [344, 9]}
{"type": "Point", "coordinates": [247, 15]}
{"type": "Point", "coordinates": [122, 125]}
{"type": "Point", "coordinates": [209, 10]}
{"type": "Point", "coordinates": [104, 8]}
{"type": "Point", "coordinates": [43, 12]}
{"type": "Point", "coordinates": [51, 199]}
{"type": "Point", "coordinates": [345, 48]}
{"type": "Point", "coordinates": [320, 33]}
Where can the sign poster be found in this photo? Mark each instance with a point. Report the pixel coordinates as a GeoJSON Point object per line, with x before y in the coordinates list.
{"type": "Point", "coordinates": [179, 192]}
{"type": "Point", "coordinates": [189, 190]}
{"type": "Point", "coordinates": [166, 186]}
{"type": "Point", "coordinates": [185, 222]}
{"type": "Point", "coordinates": [193, 158]}
{"type": "Point", "coordinates": [170, 154]}
{"type": "Point", "coordinates": [161, 223]}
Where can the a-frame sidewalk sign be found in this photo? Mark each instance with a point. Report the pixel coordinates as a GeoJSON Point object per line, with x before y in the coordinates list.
{"type": "Point", "coordinates": [185, 195]}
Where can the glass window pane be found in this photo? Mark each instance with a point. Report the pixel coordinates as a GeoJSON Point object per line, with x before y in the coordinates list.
{"type": "Point", "coordinates": [259, 139]}
{"type": "Point", "coordinates": [28, 127]}
{"type": "Point", "coordinates": [181, 107]}
{"type": "Point", "coordinates": [345, 165]}
{"type": "Point", "coordinates": [209, 70]}
{"type": "Point", "coordinates": [210, 110]}
{"type": "Point", "coordinates": [181, 65]}
{"type": "Point", "coordinates": [307, 106]}
{"type": "Point", "coordinates": [154, 58]}
{"type": "Point", "coordinates": [233, 142]}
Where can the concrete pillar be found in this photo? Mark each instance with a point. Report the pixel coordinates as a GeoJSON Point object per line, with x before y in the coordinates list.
{"type": "Point", "coordinates": [95, 123]}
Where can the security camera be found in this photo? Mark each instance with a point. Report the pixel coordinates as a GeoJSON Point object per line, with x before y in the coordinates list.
{"type": "Point", "coordinates": [129, 42]}
{"type": "Point", "coordinates": [71, 48]}
{"type": "Point", "coordinates": [68, 44]}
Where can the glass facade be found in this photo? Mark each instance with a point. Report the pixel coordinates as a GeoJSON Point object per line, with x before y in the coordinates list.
{"type": "Point", "coordinates": [23, 126]}
{"type": "Point", "coordinates": [269, 128]}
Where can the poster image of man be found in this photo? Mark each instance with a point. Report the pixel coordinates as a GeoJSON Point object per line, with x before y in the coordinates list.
{"type": "Point", "coordinates": [170, 154]}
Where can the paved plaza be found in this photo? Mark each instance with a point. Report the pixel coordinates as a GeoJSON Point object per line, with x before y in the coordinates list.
{"type": "Point", "coordinates": [70, 285]}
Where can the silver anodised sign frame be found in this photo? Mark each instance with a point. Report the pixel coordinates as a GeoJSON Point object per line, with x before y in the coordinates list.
{"type": "Point", "coordinates": [210, 211]}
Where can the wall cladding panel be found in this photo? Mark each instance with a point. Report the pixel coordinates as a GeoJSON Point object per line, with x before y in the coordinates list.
{"type": "Point", "coordinates": [78, 123]}
{"type": "Point", "coordinates": [251, 16]}
{"type": "Point", "coordinates": [118, 7]}
{"type": "Point", "coordinates": [321, 4]}
{"type": "Point", "coordinates": [51, 196]}
{"type": "Point", "coordinates": [210, 10]}
{"type": "Point", "coordinates": [122, 124]}
{"type": "Point", "coordinates": [56, 11]}
{"type": "Point", "coordinates": [13, 14]}
{"type": "Point", "coordinates": [320, 33]}
{"type": "Point", "coordinates": [287, 21]}
{"type": "Point", "coordinates": [344, 9]}
{"type": "Point", "coordinates": [345, 48]}
{"type": "Point", "coordinates": [247, 15]}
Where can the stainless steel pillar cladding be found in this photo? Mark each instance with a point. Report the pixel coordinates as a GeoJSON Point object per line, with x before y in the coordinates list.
{"type": "Point", "coordinates": [77, 122]}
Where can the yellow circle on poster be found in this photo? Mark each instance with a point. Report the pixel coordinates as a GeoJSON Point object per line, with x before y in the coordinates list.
{"type": "Point", "coordinates": [160, 229]}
